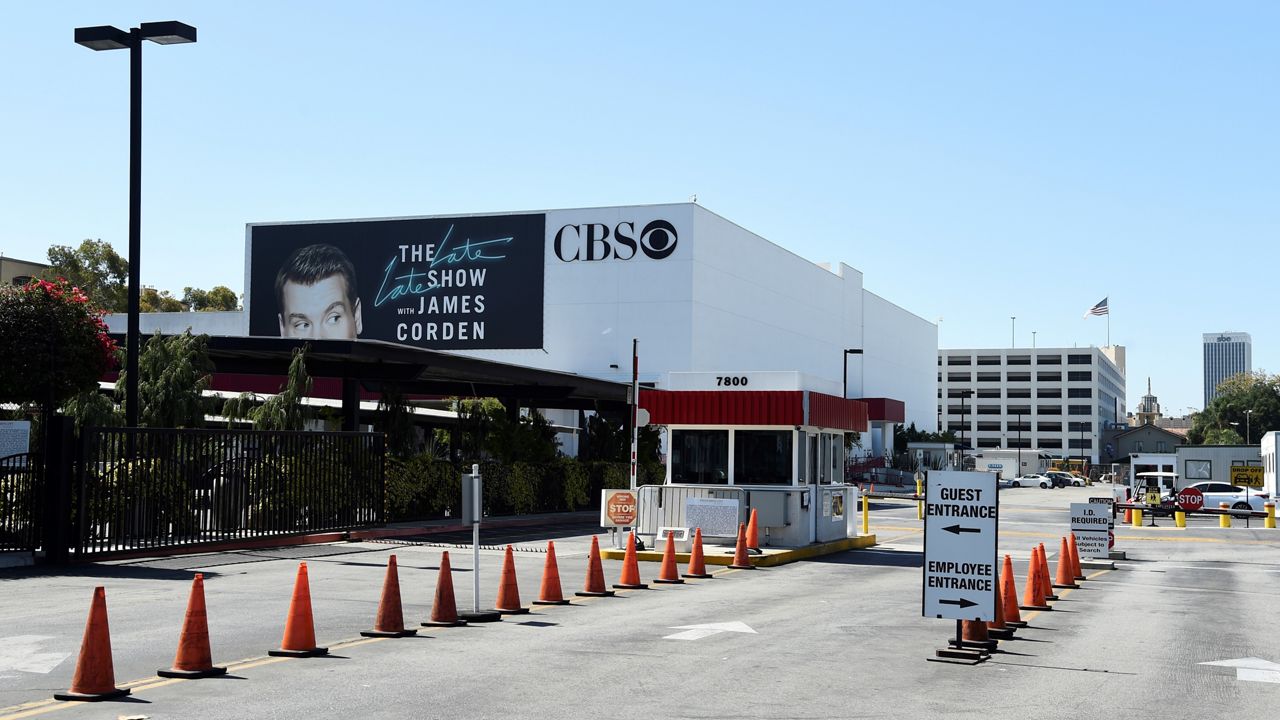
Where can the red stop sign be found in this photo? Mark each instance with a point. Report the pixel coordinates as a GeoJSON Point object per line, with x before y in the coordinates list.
{"type": "Point", "coordinates": [1190, 498]}
{"type": "Point", "coordinates": [1111, 539]}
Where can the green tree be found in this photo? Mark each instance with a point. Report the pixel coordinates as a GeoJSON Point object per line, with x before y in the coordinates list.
{"type": "Point", "coordinates": [397, 423]}
{"type": "Point", "coordinates": [1247, 402]}
{"type": "Point", "coordinates": [284, 410]}
{"type": "Point", "coordinates": [152, 300]}
{"type": "Point", "coordinates": [220, 297]}
{"type": "Point", "coordinates": [173, 373]}
{"type": "Point", "coordinates": [53, 344]}
{"type": "Point", "coordinates": [96, 269]}
{"type": "Point", "coordinates": [1222, 436]}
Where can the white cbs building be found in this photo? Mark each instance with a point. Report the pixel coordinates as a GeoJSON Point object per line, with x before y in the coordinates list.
{"type": "Point", "coordinates": [723, 302]}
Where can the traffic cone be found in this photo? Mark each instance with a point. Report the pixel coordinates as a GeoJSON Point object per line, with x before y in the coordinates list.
{"type": "Point", "coordinates": [741, 560]}
{"type": "Point", "coordinates": [299, 627]}
{"type": "Point", "coordinates": [508, 592]}
{"type": "Point", "coordinates": [1065, 577]}
{"type": "Point", "coordinates": [1009, 595]}
{"type": "Point", "coordinates": [1033, 594]}
{"type": "Point", "coordinates": [753, 534]}
{"type": "Point", "coordinates": [390, 619]}
{"type": "Point", "coordinates": [630, 579]}
{"type": "Point", "coordinates": [1128, 516]}
{"type": "Point", "coordinates": [1075, 559]}
{"type": "Point", "coordinates": [550, 593]}
{"type": "Point", "coordinates": [594, 585]}
{"type": "Point", "coordinates": [997, 628]}
{"type": "Point", "coordinates": [973, 634]}
{"type": "Point", "coordinates": [444, 609]}
{"type": "Point", "coordinates": [697, 565]}
{"type": "Point", "coordinates": [669, 574]}
{"type": "Point", "coordinates": [95, 677]}
{"type": "Point", "coordinates": [1046, 583]}
{"type": "Point", "coordinates": [194, 659]}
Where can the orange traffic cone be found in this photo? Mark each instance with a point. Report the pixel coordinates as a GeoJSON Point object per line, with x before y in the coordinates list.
{"type": "Point", "coordinates": [1065, 577]}
{"type": "Point", "coordinates": [669, 574]}
{"type": "Point", "coordinates": [1009, 595]}
{"type": "Point", "coordinates": [444, 609]}
{"type": "Point", "coordinates": [1046, 583]}
{"type": "Point", "coordinates": [741, 560]}
{"type": "Point", "coordinates": [973, 634]}
{"type": "Point", "coordinates": [508, 592]}
{"type": "Point", "coordinates": [390, 619]}
{"type": "Point", "coordinates": [1128, 516]}
{"type": "Point", "coordinates": [95, 677]}
{"type": "Point", "coordinates": [1075, 558]}
{"type": "Point", "coordinates": [550, 593]}
{"type": "Point", "coordinates": [299, 627]}
{"type": "Point", "coordinates": [697, 565]}
{"type": "Point", "coordinates": [753, 534]}
{"type": "Point", "coordinates": [1033, 594]}
{"type": "Point", "coordinates": [594, 585]}
{"type": "Point", "coordinates": [630, 579]}
{"type": "Point", "coordinates": [194, 659]}
{"type": "Point", "coordinates": [998, 628]}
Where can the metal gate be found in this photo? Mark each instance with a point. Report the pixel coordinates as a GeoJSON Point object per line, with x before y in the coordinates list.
{"type": "Point", "coordinates": [21, 502]}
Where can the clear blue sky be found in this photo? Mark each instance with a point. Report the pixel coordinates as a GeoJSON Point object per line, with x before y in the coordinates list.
{"type": "Point", "coordinates": [976, 160]}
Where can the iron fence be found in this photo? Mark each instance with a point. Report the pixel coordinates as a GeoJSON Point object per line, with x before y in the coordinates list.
{"type": "Point", "coordinates": [144, 488]}
{"type": "Point", "coordinates": [21, 502]}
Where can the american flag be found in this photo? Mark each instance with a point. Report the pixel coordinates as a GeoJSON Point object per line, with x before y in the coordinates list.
{"type": "Point", "coordinates": [1099, 309]}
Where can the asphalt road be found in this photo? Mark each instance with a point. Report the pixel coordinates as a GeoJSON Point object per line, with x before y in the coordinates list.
{"type": "Point", "coordinates": [839, 637]}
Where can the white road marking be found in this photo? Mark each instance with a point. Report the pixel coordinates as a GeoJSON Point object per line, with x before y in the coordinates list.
{"type": "Point", "coordinates": [697, 632]}
{"type": "Point", "coordinates": [22, 653]}
{"type": "Point", "coordinates": [1251, 669]}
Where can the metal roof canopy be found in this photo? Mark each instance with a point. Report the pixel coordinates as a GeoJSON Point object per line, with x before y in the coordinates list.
{"type": "Point", "coordinates": [416, 371]}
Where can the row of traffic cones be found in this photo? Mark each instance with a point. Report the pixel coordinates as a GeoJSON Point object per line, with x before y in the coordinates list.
{"type": "Point", "coordinates": [983, 636]}
{"type": "Point", "coordinates": [94, 677]}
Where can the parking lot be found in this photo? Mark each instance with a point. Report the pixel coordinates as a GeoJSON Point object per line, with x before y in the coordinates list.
{"type": "Point", "coordinates": [841, 636]}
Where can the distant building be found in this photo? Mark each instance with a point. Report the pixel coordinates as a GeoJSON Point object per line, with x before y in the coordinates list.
{"type": "Point", "coordinates": [1058, 400]}
{"type": "Point", "coordinates": [16, 273]}
{"type": "Point", "coordinates": [1144, 434]}
{"type": "Point", "coordinates": [1225, 354]}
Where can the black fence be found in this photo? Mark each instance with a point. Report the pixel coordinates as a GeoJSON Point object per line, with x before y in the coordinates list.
{"type": "Point", "coordinates": [141, 489]}
{"type": "Point", "coordinates": [21, 502]}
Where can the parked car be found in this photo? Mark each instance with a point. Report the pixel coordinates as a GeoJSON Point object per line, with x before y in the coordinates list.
{"type": "Point", "coordinates": [1216, 493]}
{"type": "Point", "coordinates": [1031, 480]}
{"type": "Point", "coordinates": [1063, 479]}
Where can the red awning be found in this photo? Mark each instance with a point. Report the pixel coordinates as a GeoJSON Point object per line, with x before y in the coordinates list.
{"type": "Point", "coordinates": [754, 407]}
{"type": "Point", "coordinates": [886, 409]}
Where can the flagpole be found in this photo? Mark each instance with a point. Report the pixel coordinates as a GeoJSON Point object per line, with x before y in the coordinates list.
{"type": "Point", "coordinates": [1108, 325]}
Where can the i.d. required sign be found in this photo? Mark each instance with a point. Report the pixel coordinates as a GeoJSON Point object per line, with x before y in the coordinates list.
{"type": "Point", "coordinates": [961, 524]}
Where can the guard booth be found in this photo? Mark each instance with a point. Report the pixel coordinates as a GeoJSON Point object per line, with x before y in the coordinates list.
{"type": "Point", "coordinates": [779, 452]}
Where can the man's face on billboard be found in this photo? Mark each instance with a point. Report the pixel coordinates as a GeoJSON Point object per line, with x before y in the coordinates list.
{"type": "Point", "coordinates": [319, 311]}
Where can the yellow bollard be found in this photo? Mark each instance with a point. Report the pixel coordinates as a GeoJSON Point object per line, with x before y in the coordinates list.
{"type": "Point", "coordinates": [1270, 521]}
{"type": "Point", "coordinates": [920, 510]}
{"type": "Point", "coordinates": [1137, 517]}
{"type": "Point", "coordinates": [1224, 520]}
{"type": "Point", "coordinates": [1179, 518]}
{"type": "Point", "coordinates": [866, 516]}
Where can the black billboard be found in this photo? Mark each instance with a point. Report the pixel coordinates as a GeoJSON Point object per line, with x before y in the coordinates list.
{"type": "Point", "coordinates": [442, 283]}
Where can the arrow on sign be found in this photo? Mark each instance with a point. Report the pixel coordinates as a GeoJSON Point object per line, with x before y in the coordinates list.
{"type": "Point", "coordinates": [961, 602]}
{"type": "Point", "coordinates": [697, 632]}
{"type": "Point", "coordinates": [956, 529]}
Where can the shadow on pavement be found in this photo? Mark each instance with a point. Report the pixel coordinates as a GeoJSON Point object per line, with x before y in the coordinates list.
{"type": "Point", "coordinates": [92, 570]}
{"type": "Point", "coordinates": [875, 558]}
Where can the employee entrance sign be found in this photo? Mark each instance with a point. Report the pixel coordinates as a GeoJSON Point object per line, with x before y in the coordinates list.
{"type": "Point", "coordinates": [961, 524]}
{"type": "Point", "coordinates": [1091, 526]}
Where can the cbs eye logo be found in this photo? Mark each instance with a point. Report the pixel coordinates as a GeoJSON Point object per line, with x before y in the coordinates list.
{"type": "Point", "coordinates": [590, 242]}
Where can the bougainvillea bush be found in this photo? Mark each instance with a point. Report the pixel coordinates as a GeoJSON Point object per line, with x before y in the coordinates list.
{"type": "Point", "coordinates": [53, 343]}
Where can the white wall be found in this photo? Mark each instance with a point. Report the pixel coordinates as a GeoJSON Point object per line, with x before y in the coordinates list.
{"type": "Point", "coordinates": [900, 359]}
{"type": "Point", "coordinates": [232, 322]}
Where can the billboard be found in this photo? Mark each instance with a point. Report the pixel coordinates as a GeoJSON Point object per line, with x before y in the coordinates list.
{"type": "Point", "coordinates": [458, 283]}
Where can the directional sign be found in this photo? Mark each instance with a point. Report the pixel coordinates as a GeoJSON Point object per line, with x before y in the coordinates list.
{"type": "Point", "coordinates": [1246, 476]}
{"type": "Point", "coordinates": [1091, 525]}
{"type": "Point", "coordinates": [960, 532]}
{"type": "Point", "coordinates": [1251, 669]}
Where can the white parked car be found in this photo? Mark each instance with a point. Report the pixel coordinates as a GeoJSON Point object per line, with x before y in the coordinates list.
{"type": "Point", "coordinates": [1031, 480]}
{"type": "Point", "coordinates": [1234, 496]}
{"type": "Point", "coordinates": [1063, 479]}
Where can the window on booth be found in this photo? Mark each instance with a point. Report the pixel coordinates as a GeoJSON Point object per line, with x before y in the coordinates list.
{"type": "Point", "coordinates": [700, 457]}
{"type": "Point", "coordinates": [762, 457]}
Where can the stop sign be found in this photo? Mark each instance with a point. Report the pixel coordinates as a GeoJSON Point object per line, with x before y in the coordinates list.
{"type": "Point", "coordinates": [1190, 498]}
{"type": "Point", "coordinates": [1111, 539]}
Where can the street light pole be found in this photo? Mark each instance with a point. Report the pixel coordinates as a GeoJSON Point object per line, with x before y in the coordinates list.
{"type": "Point", "coordinates": [1019, 445]}
{"type": "Point", "coordinates": [107, 37]}
{"type": "Point", "coordinates": [1013, 327]}
{"type": "Point", "coordinates": [964, 424]}
{"type": "Point", "coordinates": [1247, 429]}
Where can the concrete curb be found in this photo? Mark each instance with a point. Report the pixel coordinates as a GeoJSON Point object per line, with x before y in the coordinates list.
{"type": "Point", "coordinates": [770, 558]}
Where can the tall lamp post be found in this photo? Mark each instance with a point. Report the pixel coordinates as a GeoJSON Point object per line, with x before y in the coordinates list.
{"type": "Point", "coordinates": [108, 37]}
{"type": "Point", "coordinates": [1019, 474]}
{"type": "Point", "coordinates": [1248, 435]}
{"type": "Point", "coordinates": [964, 424]}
